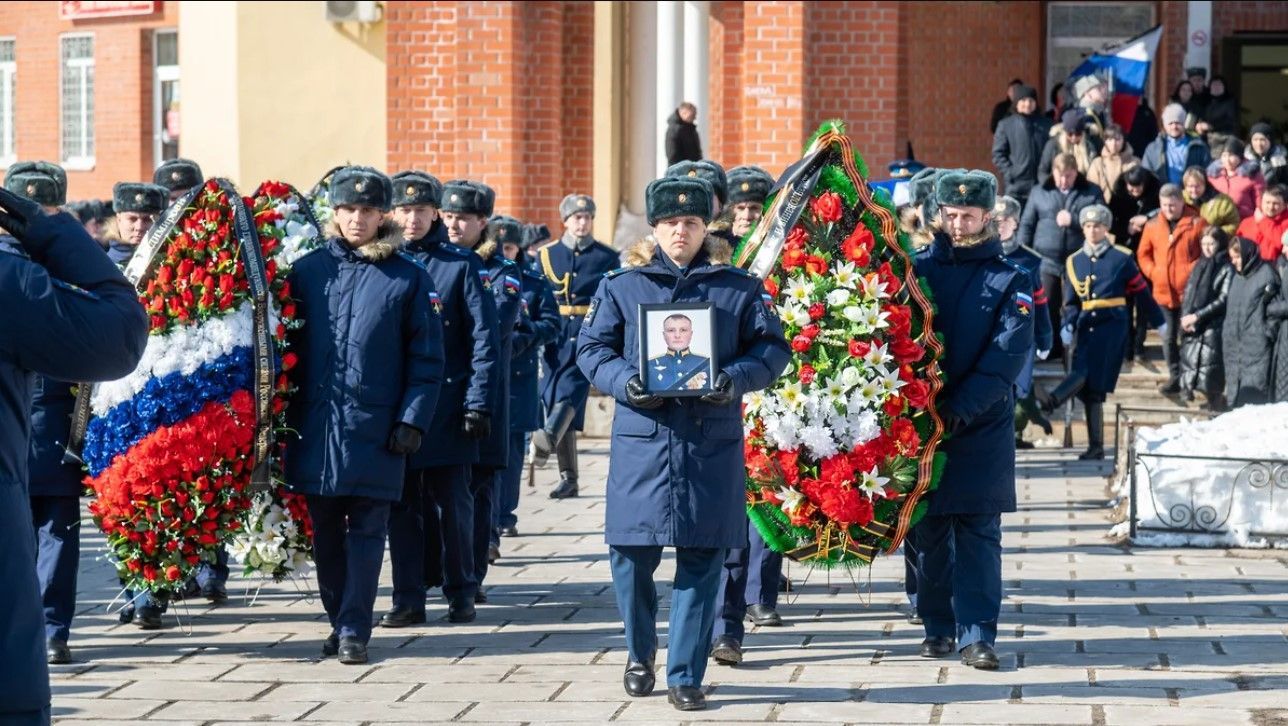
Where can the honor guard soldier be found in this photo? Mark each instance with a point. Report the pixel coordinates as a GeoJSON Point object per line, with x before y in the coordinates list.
{"type": "Point", "coordinates": [988, 336]}
{"type": "Point", "coordinates": [178, 176]}
{"type": "Point", "coordinates": [1006, 214]}
{"type": "Point", "coordinates": [750, 578]}
{"type": "Point", "coordinates": [437, 509]}
{"type": "Point", "coordinates": [41, 181]}
{"type": "Point", "coordinates": [1100, 280]}
{"type": "Point", "coordinates": [713, 174]}
{"type": "Point", "coordinates": [539, 325]}
{"type": "Point", "coordinates": [71, 316]}
{"type": "Point", "coordinates": [574, 266]}
{"type": "Point", "coordinates": [371, 366]}
{"type": "Point", "coordinates": [676, 471]}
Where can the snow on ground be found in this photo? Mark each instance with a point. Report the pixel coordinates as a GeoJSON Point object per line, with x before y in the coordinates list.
{"type": "Point", "coordinates": [1235, 503]}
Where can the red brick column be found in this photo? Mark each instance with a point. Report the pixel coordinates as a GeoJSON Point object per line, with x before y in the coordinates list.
{"type": "Point", "coordinates": [774, 83]}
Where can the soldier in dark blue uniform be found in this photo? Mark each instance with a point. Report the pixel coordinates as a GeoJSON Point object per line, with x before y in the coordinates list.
{"type": "Point", "coordinates": [749, 582]}
{"type": "Point", "coordinates": [1100, 280]}
{"type": "Point", "coordinates": [437, 508]}
{"type": "Point", "coordinates": [371, 366]}
{"type": "Point", "coordinates": [539, 325]}
{"type": "Point", "coordinates": [178, 176]}
{"type": "Point", "coordinates": [676, 469]}
{"type": "Point", "coordinates": [986, 318]}
{"type": "Point", "coordinates": [574, 266]}
{"type": "Point", "coordinates": [1007, 216]}
{"type": "Point", "coordinates": [70, 315]}
{"type": "Point", "coordinates": [713, 174]}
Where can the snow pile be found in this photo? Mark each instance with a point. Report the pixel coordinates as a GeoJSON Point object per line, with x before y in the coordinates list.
{"type": "Point", "coordinates": [1222, 503]}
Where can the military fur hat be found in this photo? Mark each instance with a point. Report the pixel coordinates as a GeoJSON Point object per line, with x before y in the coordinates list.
{"type": "Point", "coordinates": [574, 203]}
{"type": "Point", "coordinates": [504, 229]}
{"type": "Point", "coordinates": [1083, 85]}
{"type": "Point", "coordinates": [468, 197]}
{"type": "Point", "coordinates": [922, 186]}
{"type": "Point", "coordinates": [1097, 213]}
{"type": "Point", "coordinates": [42, 189]}
{"type": "Point", "coordinates": [47, 169]}
{"type": "Point", "coordinates": [712, 172]}
{"type": "Point", "coordinates": [361, 186]}
{"type": "Point", "coordinates": [414, 188]}
{"type": "Point", "coordinates": [534, 233]}
{"type": "Point", "coordinates": [1007, 207]}
{"type": "Point", "coordinates": [670, 197]}
{"type": "Point", "coordinates": [139, 197]}
{"type": "Point", "coordinates": [973, 188]}
{"type": "Point", "coordinates": [749, 184]}
{"type": "Point", "coordinates": [178, 175]}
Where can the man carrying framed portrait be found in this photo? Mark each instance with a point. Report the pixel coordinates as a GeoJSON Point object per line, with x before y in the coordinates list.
{"type": "Point", "coordinates": [681, 369]}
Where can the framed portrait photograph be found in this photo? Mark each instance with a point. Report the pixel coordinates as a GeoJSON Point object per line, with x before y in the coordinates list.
{"type": "Point", "coordinates": [677, 348]}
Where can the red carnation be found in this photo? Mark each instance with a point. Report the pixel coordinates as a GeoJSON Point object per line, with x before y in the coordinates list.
{"type": "Point", "coordinates": [905, 436]}
{"type": "Point", "coordinates": [857, 248]}
{"type": "Point", "coordinates": [771, 286]}
{"type": "Point", "coordinates": [815, 265]}
{"type": "Point", "coordinates": [801, 343]}
{"type": "Point", "coordinates": [793, 258]}
{"type": "Point", "coordinates": [172, 573]}
{"type": "Point", "coordinates": [817, 311]}
{"type": "Point", "coordinates": [893, 405]}
{"type": "Point", "coordinates": [837, 470]}
{"type": "Point", "coordinates": [289, 360]}
{"type": "Point", "coordinates": [811, 331]}
{"type": "Point", "coordinates": [788, 462]}
{"type": "Point", "coordinates": [828, 207]}
{"type": "Point", "coordinates": [892, 283]}
{"type": "Point", "coordinates": [899, 319]}
{"type": "Point", "coordinates": [807, 374]}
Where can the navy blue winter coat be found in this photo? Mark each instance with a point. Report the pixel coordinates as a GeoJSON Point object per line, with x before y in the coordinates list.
{"type": "Point", "coordinates": [370, 357]}
{"type": "Point", "coordinates": [504, 279]}
{"type": "Point", "coordinates": [1042, 335]}
{"type": "Point", "coordinates": [71, 315]}
{"type": "Point", "coordinates": [470, 342]}
{"type": "Point", "coordinates": [539, 325]}
{"type": "Point", "coordinates": [988, 336]}
{"type": "Point", "coordinates": [676, 474]}
{"type": "Point", "coordinates": [51, 423]}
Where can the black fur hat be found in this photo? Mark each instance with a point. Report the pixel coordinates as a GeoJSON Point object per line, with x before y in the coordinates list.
{"type": "Point", "coordinates": [973, 188]}
{"type": "Point", "coordinates": [681, 196]}
{"type": "Point", "coordinates": [468, 197]}
{"type": "Point", "coordinates": [40, 188]}
{"type": "Point", "coordinates": [711, 172]}
{"type": "Point", "coordinates": [505, 229]}
{"type": "Point", "coordinates": [412, 188]}
{"type": "Point", "coordinates": [139, 197]}
{"type": "Point", "coordinates": [45, 168]}
{"type": "Point", "coordinates": [178, 175]}
{"type": "Point", "coordinates": [361, 186]}
{"type": "Point", "coordinates": [749, 184]}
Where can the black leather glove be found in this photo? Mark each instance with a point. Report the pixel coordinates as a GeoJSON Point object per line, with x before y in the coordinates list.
{"type": "Point", "coordinates": [721, 391]}
{"type": "Point", "coordinates": [639, 397]}
{"type": "Point", "coordinates": [953, 424]}
{"type": "Point", "coordinates": [476, 425]}
{"type": "Point", "coordinates": [404, 440]}
{"type": "Point", "coordinates": [18, 217]}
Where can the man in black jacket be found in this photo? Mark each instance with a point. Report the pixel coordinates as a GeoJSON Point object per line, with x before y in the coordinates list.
{"type": "Point", "coordinates": [1018, 143]}
{"type": "Point", "coordinates": [682, 143]}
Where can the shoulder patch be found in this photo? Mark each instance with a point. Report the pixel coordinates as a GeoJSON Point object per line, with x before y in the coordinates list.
{"type": "Point", "coordinates": [590, 311]}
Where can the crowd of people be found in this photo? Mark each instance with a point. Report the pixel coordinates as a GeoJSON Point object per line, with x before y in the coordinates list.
{"type": "Point", "coordinates": [1199, 209]}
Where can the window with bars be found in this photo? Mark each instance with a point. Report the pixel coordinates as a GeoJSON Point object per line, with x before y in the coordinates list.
{"type": "Point", "coordinates": [8, 110]}
{"type": "Point", "coordinates": [78, 100]}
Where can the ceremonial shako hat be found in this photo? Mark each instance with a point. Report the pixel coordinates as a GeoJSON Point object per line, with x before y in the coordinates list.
{"type": "Point", "coordinates": [574, 203]}
{"type": "Point", "coordinates": [710, 171]}
{"type": "Point", "coordinates": [468, 197]}
{"type": "Point", "coordinates": [361, 186]}
{"type": "Point", "coordinates": [139, 197]}
{"type": "Point", "coordinates": [43, 168]}
{"type": "Point", "coordinates": [413, 188]}
{"type": "Point", "coordinates": [749, 184]}
{"type": "Point", "coordinates": [178, 175]}
{"type": "Point", "coordinates": [504, 229]}
{"type": "Point", "coordinates": [670, 197]}
{"type": "Point", "coordinates": [972, 188]}
{"type": "Point", "coordinates": [40, 188]}
{"type": "Point", "coordinates": [534, 233]}
{"type": "Point", "coordinates": [1097, 214]}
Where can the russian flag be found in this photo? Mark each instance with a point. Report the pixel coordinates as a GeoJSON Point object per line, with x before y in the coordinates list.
{"type": "Point", "coordinates": [1125, 68]}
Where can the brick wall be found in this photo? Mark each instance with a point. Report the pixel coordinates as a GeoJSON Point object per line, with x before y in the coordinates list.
{"type": "Point", "coordinates": [725, 93]}
{"type": "Point", "coordinates": [773, 83]}
{"type": "Point", "coordinates": [1229, 18]}
{"type": "Point", "coordinates": [421, 86]}
{"type": "Point", "coordinates": [123, 77]}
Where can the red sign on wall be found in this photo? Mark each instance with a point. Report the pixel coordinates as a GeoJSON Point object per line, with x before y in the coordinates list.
{"type": "Point", "coordinates": [78, 10]}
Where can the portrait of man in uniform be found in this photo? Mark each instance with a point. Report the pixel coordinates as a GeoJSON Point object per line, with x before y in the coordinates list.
{"type": "Point", "coordinates": [675, 345]}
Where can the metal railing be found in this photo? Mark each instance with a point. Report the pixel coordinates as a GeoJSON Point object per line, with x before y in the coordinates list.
{"type": "Point", "coordinates": [1126, 423]}
{"type": "Point", "coordinates": [1185, 513]}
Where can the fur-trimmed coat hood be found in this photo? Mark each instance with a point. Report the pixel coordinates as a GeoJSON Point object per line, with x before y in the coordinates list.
{"type": "Point", "coordinates": [641, 253]}
{"type": "Point", "coordinates": [389, 239]}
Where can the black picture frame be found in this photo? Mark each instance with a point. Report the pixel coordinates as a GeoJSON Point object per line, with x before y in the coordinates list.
{"type": "Point", "coordinates": [670, 378]}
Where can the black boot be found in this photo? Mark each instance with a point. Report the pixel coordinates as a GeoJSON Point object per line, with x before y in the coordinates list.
{"type": "Point", "coordinates": [1029, 405]}
{"type": "Point", "coordinates": [1067, 389]}
{"type": "Point", "coordinates": [547, 438]}
{"type": "Point", "coordinates": [567, 455]}
{"type": "Point", "coordinates": [1095, 432]}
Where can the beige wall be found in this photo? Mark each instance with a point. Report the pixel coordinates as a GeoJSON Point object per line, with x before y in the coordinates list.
{"type": "Point", "coordinates": [297, 96]}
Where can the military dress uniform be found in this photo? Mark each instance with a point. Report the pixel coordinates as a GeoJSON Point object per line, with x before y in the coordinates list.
{"type": "Point", "coordinates": [431, 527]}
{"type": "Point", "coordinates": [1026, 407]}
{"type": "Point", "coordinates": [370, 371]}
{"type": "Point", "coordinates": [676, 469]}
{"type": "Point", "coordinates": [70, 315]}
{"type": "Point", "coordinates": [574, 268]}
{"type": "Point", "coordinates": [988, 336]}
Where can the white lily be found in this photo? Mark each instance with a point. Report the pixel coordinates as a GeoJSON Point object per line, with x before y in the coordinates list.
{"type": "Point", "coordinates": [845, 275]}
{"type": "Point", "coordinates": [872, 483]}
{"type": "Point", "coordinates": [791, 499]}
{"type": "Point", "coordinates": [873, 318]}
{"type": "Point", "coordinates": [878, 355]}
{"type": "Point", "coordinates": [799, 290]}
{"type": "Point", "coordinates": [873, 288]}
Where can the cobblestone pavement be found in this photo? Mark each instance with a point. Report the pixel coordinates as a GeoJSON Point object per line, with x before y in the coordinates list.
{"type": "Point", "coordinates": [1092, 633]}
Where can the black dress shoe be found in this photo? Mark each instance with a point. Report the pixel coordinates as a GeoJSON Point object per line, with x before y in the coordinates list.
{"type": "Point", "coordinates": [914, 618]}
{"type": "Point", "coordinates": [1093, 453]}
{"type": "Point", "coordinates": [1170, 388]}
{"type": "Point", "coordinates": [937, 647]}
{"type": "Point", "coordinates": [686, 698]}
{"type": "Point", "coordinates": [57, 652]}
{"type": "Point", "coordinates": [461, 612]}
{"type": "Point", "coordinates": [639, 679]}
{"type": "Point", "coordinates": [402, 617]}
{"type": "Point", "coordinates": [565, 490]}
{"type": "Point", "coordinates": [126, 615]}
{"type": "Point", "coordinates": [1021, 444]}
{"type": "Point", "coordinates": [215, 592]}
{"type": "Point", "coordinates": [764, 615]}
{"type": "Point", "coordinates": [981, 656]}
{"type": "Point", "coordinates": [493, 554]}
{"type": "Point", "coordinates": [148, 617]}
{"type": "Point", "coordinates": [352, 651]}
{"type": "Point", "coordinates": [331, 645]}
{"type": "Point", "coordinates": [726, 651]}
{"type": "Point", "coordinates": [509, 532]}
{"type": "Point", "coordinates": [480, 598]}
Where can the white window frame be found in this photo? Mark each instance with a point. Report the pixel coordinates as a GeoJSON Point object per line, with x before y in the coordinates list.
{"type": "Point", "coordinates": [160, 74]}
{"type": "Point", "coordinates": [9, 79]}
{"type": "Point", "coordinates": [77, 163]}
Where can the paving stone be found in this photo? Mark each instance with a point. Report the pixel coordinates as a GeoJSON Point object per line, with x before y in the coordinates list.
{"type": "Point", "coordinates": [565, 712]}
{"type": "Point", "coordinates": [980, 713]}
{"type": "Point", "coordinates": [233, 710]}
{"type": "Point", "coordinates": [197, 690]}
{"type": "Point", "coordinates": [1120, 715]}
{"type": "Point", "coordinates": [103, 708]}
{"type": "Point", "coordinates": [333, 692]}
